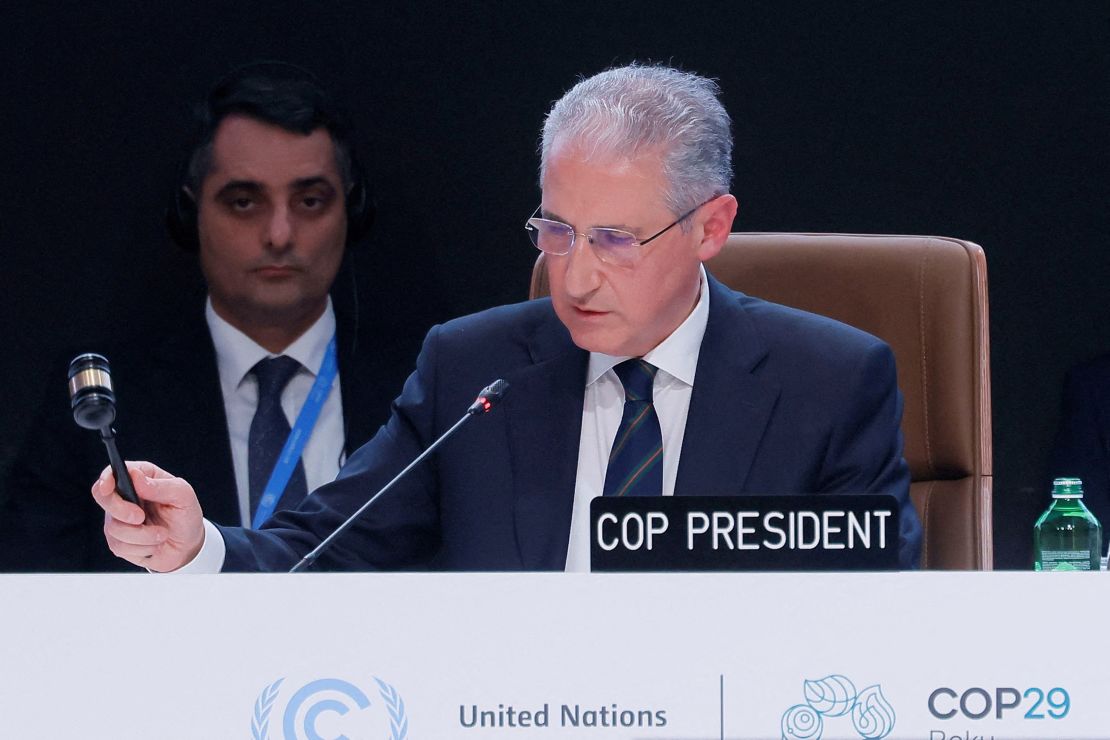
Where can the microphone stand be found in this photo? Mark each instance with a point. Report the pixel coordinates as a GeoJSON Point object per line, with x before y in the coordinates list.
{"type": "Point", "coordinates": [486, 400]}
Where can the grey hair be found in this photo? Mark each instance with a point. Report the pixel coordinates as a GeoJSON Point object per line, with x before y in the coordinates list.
{"type": "Point", "coordinates": [639, 109]}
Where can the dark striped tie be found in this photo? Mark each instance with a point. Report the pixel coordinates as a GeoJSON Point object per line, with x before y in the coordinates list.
{"type": "Point", "coordinates": [269, 430]}
{"type": "Point", "coordinates": [636, 461]}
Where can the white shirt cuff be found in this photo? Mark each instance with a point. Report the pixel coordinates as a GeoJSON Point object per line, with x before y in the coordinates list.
{"type": "Point", "coordinates": [210, 559]}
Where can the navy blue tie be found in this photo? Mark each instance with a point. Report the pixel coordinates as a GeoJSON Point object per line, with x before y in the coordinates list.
{"type": "Point", "coordinates": [636, 460]}
{"type": "Point", "coordinates": [269, 430]}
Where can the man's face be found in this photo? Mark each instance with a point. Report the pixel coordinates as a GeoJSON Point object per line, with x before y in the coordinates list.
{"type": "Point", "coordinates": [607, 308]}
{"type": "Point", "coordinates": [272, 226]}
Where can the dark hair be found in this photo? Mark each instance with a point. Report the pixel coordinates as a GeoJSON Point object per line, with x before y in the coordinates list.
{"type": "Point", "coordinates": [283, 95]}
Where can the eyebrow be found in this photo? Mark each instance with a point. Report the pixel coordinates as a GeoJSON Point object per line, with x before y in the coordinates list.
{"type": "Point", "coordinates": [248, 185]}
{"type": "Point", "coordinates": [303, 183]}
{"type": "Point", "coordinates": [551, 216]}
{"type": "Point", "coordinates": [252, 186]}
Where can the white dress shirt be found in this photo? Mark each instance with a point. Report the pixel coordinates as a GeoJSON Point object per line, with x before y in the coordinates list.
{"type": "Point", "coordinates": [602, 408]}
{"type": "Point", "coordinates": [236, 354]}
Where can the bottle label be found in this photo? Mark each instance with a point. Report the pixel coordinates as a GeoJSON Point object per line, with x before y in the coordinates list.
{"type": "Point", "coordinates": [1065, 560]}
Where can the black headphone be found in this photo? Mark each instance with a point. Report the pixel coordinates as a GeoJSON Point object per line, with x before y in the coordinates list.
{"type": "Point", "coordinates": [287, 96]}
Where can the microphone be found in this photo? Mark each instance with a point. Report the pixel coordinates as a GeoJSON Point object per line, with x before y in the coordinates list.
{"type": "Point", "coordinates": [490, 396]}
{"type": "Point", "coordinates": [93, 403]}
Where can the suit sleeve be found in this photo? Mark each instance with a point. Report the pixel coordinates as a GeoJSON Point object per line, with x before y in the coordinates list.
{"type": "Point", "coordinates": [399, 531]}
{"type": "Point", "coordinates": [865, 449]}
{"type": "Point", "coordinates": [48, 520]}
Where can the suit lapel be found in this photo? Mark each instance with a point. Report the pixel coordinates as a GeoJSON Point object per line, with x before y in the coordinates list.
{"type": "Point", "coordinates": [544, 417]}
{"type": "Point", "coordinates": [730, 405]}
{"type": "Point", "coordinates": [187, 363]}
{"type": "Point", "coordinates": [367, 381]}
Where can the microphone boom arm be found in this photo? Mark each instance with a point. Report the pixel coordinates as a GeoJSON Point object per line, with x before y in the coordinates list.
{"type": "Point", "coordinates": [489, 396]}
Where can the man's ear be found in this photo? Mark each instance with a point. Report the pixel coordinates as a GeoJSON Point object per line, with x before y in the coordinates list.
{"type": "Point", "coordinates": [716, 218]}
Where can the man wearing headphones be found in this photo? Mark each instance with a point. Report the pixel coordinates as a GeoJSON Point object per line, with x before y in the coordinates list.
{"type": "Point", "coordinates": [262, 379]}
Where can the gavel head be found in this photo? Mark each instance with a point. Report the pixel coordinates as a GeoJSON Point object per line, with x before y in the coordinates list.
{"type": "Point", "coordinates": [90, 391]}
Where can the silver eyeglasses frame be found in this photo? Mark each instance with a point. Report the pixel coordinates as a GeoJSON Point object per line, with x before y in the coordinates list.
{"type": "Point", "coordinates": [594, 233]}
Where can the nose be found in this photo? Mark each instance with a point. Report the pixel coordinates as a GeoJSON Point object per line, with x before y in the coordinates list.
{"type": "Point", "coordinates": [582, 267]}
{"type": "Point", "coordinates": [279, 228]}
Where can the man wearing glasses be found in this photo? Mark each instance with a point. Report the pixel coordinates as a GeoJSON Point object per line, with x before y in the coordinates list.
{"type": "Point", "coordinates": [641, 376]}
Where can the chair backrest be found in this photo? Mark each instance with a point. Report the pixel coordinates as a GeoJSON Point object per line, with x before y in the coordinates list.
{"type": "Point", "coordinates": [927, 298]}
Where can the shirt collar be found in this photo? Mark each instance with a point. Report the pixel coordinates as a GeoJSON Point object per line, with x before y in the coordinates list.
{"type": "Point", "coordinates": [677, 355]}
{"type": "Point", "coordinates": [236, 353]}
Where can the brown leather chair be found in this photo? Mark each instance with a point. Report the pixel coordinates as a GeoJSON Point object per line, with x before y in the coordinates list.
{"type": "Point", "coordinates": [927, 298]}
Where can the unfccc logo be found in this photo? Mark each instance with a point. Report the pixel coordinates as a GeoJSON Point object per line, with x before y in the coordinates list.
{"type": "Point", "coordinates": [871, 714]}
{"type": "Point", "coordinates": [328, 703]}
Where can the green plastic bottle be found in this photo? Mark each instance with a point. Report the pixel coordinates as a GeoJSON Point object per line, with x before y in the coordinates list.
{"type": "Point", "coordinates": [1067, 536]}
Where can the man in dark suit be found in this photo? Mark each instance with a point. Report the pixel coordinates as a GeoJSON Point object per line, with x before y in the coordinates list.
{"type": "Point", "coordinates": [1082, 447]}
{"type": "Point", "coordinates": [272, 198]}
{"type": "Point", "coordinates": [741, 396]}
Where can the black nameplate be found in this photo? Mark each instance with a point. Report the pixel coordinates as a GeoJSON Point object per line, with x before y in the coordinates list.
{"type": "Point", "coordinates": [699, 533]}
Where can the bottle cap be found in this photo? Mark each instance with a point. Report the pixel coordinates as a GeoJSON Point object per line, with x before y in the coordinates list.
{"type": "Point", "coordinates": [1067, 488]}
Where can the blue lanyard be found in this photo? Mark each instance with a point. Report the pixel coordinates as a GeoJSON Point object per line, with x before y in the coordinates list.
{"type": "Point", "coordinates": [298, 437]}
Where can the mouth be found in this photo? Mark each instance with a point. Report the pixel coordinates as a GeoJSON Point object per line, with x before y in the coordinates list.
{"type": "Point", "coordinates": [587, 313]}
{"type": "Point", "coordinates": [275, 272]}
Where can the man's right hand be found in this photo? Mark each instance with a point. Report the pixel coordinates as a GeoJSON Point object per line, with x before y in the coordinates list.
{"type": "Point", "coordinates": [166, 532]}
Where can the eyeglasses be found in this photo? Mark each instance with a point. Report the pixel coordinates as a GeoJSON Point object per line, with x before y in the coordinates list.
{"type": "Point", "coordinates": [612, 246]}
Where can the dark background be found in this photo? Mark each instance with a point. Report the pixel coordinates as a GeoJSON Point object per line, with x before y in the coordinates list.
{"type": "Point", "coordinates": [987, 121]}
